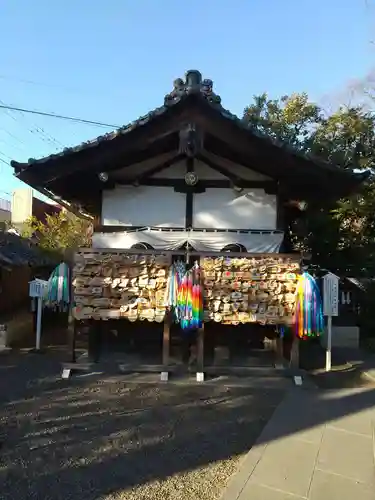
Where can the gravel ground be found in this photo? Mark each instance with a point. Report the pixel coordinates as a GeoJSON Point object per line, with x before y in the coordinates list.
{"type": "Point", "coordinates": [90, 439]}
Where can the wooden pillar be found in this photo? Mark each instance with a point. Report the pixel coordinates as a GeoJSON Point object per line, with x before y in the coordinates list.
{"type": "Point", "coordinates": [72, 332]}
{"type": "Point", "coordinates": [279, 352]}
{"type": "Point", "coordinates": [71, 329]}
{"type": "Point", "coordinates": [200, 354]}
{"type": "Point", "coordinates": [95, 334]}
{"type": "Point", "coordinates": [294, 353]}
{"type": "Point", "coordinates": [166, 340]}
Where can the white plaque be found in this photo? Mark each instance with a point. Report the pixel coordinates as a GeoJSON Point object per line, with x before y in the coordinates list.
{"type": "Point", "coordinates": [330, 295]}
{"type": "Point", "coordinates": [65, 373]}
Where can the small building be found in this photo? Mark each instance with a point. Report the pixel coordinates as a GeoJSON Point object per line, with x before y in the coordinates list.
{"type": "Point", "coordinates": [25, 205]}
{"type": "Point", "coordinates": [5, 211]}
{"type": "Point", "coordinates": [190, 179]}
{"type": "Point", "coordinates": [20, 261]}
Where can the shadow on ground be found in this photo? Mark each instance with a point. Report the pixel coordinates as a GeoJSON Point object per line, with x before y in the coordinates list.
{"type": "Point", "coordinates": [89, 438]}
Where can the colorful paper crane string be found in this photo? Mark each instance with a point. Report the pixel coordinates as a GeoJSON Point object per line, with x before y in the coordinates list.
{"type": "Point", "coordinates": [309, 320]}
{"type": "Point", "coordinates": [58, 294]}
{"type": "Point", "coordinates": [176, 274]}
{"type": "Point", "coordinates": [190, 300]}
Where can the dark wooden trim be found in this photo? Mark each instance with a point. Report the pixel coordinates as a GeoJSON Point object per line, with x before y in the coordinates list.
{"type": "Point", "coordinates": [276, 161]}
{"type": "Point", "coordinates": [121, 229]}
{"type": "Point", "coordinates": [218, 147]}
{"type": "Point", "coordinates": [126, 148]}
{"type": "Point", "coordinates": [200, 349]}
{"type": "Point", "coordinates": [222, 170]}
{"type": "Point", "coordinates": [159, 132]}
{"type": "Point", "coordinates": [293, 255]}
{"type": "Point", "coordinates": [155, 170]}
{"type": "Point", "coordinates": [280, 210]}
{"type": "Point", "coordinates": [189, 196]}
{"type": "Point", "coordinates": [166, 341]}
{"type": "Point", "coordinates": [269, 186]}
{"type": "Point", "coordinates": [97, 222]}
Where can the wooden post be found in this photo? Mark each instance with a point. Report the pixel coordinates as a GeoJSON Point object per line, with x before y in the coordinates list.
{"type": "Point", "coordinates": [294, 353]}
{"type": "Point", "coordinates": [71, 329]}
{"type": "Point", "coordinates": [279, 352]}
{"type": "Point", "coordinates": [73, 341]}
{"type": "Point", "coordinates": [200, 354]}
{"type": "Point", "coordinates": [166, 345]}
{"type": "Point", "coordinates": [91, 339]}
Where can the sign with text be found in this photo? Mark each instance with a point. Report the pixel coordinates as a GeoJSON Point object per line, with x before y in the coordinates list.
{"type": "Point", "coordinates": [330, 295]}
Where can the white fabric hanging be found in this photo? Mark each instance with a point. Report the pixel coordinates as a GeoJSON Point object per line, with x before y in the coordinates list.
{"type": "Point", "coordinates": [253, 241]}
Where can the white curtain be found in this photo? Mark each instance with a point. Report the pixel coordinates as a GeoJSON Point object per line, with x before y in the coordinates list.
{"type": "Point", "coordinates": [253, 241]}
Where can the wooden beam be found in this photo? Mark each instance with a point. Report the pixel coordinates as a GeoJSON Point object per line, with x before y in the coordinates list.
{"type": "Point", "coordinates": [295, 257]}
{"type": "Point", "coordinates": [155, 170]}
{"type": "Point", "coordinates": [115, 160]}
{"type": "Point", "coordinates": [189, 197]}
{"type": "Point", "coordinates": [272, 159]}
{"type": "Point", "coordinates": [200, 349]}
{"type": "Point", "coordinates": [222, 170]}
{"type": "Point", "coordinates": [166, 341]}
{"type": "Point", "coordinates": [219, 147]}
{"type": "Point", "coordinates": [111, 153]}
{"type": "Point", "coordinates": [122, 229]}
{"type": "Point", "coordinates": [180, 184]}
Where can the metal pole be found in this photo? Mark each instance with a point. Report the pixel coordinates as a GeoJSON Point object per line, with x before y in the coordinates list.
{"type": "Point", "coordinates": [39, 323]}
{"type": "Point", "coordinates": [329, 344]}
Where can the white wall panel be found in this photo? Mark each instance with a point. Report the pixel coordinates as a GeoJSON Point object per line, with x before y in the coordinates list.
{"type": "Point", "coordinates": [143, 206]}
{"type": "Point", "coordinates": [228, 209]}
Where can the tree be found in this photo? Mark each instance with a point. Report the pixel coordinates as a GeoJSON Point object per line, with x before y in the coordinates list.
{"type": "Point", "coordinates": [59, 231]}
{"type": "Point", "coordinates": [341, 237]}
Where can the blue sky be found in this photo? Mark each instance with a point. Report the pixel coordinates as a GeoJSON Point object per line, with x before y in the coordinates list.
{"type": "Point", "coordinates": [113, 61]}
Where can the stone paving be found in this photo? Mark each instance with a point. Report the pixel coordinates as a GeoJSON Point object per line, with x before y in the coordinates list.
{"type": "Point", "coordinates": [318, 445]}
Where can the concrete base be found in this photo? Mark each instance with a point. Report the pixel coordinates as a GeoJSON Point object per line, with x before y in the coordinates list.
{"type": "Point", "coordinates": [164, 376]}
{"type": "Point", "coordinates": [200, 377]}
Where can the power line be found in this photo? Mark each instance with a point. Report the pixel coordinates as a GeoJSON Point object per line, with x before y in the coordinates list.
{"type": "Point", "coordinates": [40, 84]}
{"type": "Point", "coordinates": [44, 136]}
{"type": "Point", "coordinates": [38, 131]}
{"type": "Point", "coordinates": [61, 117]}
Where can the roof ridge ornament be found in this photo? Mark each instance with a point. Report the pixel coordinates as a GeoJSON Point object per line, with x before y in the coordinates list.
{"type": "Point", "coordinates": [193, 84]}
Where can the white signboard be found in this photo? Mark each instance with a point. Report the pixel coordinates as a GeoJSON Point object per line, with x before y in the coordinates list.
{"type": "Point", "coordinates": [330, 295]}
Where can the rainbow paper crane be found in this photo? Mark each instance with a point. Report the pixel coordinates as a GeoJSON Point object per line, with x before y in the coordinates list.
{"type": "Point", "coordinates": [309, 320]}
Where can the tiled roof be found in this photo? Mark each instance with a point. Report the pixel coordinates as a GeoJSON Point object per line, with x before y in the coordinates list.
{"type": "Point", "coordinates": [18, 251]}
{"type": "Point", "coordinates": [193, 84]}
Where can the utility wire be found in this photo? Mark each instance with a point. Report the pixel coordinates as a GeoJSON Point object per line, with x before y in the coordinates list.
{"type": "Point", "coordinates": [38, 130]}
{"type": "Point", "coordinates": [5, 156]}
{"type": "Point", "coordinates": [40, 84]}
{"type": "Point", "coordinates": [61, 117]}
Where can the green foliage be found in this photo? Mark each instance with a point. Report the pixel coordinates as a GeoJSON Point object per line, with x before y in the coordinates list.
{"type": "Point", "coordinates": [340, 237]}
{"type": "Point", "coordinates": [59, 232]}
{"type": "Point", "coordinates": [290, 120]}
